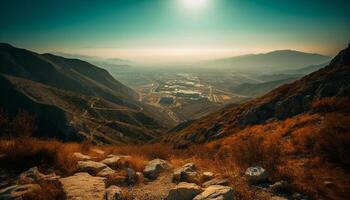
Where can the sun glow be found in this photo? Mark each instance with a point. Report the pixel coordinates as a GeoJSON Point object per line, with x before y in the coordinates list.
{"type": "Point", "coordinates": [194, 4]}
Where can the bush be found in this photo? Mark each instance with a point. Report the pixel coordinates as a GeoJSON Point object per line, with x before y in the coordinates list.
{"type": "Point", "coordinates": [334, 139]}
{"type": "Point", "coordinates": [253, 151]}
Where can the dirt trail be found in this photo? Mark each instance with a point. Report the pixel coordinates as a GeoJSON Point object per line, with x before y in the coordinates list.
{"type": "Point", "coordinates": [154, 190]}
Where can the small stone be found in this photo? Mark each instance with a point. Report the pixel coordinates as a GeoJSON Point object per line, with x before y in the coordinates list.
{"type": "Point", "coordinates": [216, 181]}
{"type": "Point", "coordinates": [206, 176]}
{"type": "Point", "coordinates": [90, 167]}
{"type": "Point", "coordinates": [113, 162]}
{"type": "Point", "coordinates": [106, 172]}
{"type": "Point", "coordinates": [131, 175]}
{"type": "Point", "coordinates": [113, 193]}
{"type": "Point", "coordinates": [256, 174]}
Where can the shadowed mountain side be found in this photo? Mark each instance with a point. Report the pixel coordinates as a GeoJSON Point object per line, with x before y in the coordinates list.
{"type": "Point", "coordinates": [95, 104]}
{"type": "Point", "coordinates": [286, 101]}
{"type": "Point", "coordinates": [67, 115]}
{"type": "Point", "coordinates": [68, 74]}
{"type": "Point", "coordinates": [51, 120]}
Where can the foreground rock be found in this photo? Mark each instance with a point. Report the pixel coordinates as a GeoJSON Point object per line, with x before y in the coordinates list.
{"type": "Point", "coordinates": [90, 167]}
{"type": "Point", "coordinates": [33, 175]}
{"type": "Point", "coordinates": [154, 167]}
{"type": "Point", "coordinates": [113, 193]}
{"type": "Point", "coordinates": [106, 172]}
{"type": "Point", "coordinates": [83, 186]}
{"type": "Point", "coordinates": [19, 191]}
{"type": "Point", "coordinates": [184, 191]}
{"type": "Point", "coordinates": [216, 181]}
{"type": "Point", "coordinates": [186, 173]}
{"type": "Point", "coordinates": [256, 174]}
{"type": "Point", "coordinates": [206, 176]}
{"type": "Point", "coordinates": [112, 161]}
{"type": "Point", "coordinates": [216, 192]}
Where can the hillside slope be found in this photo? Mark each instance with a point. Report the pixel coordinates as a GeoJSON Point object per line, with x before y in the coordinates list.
{"type": "Point", "coordinates": [89, 101]}
{"type": "Point", "coordinates": [286, 101]}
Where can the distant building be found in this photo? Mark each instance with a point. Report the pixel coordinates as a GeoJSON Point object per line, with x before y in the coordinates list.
{"type": "Point", "coordinates": [166, 101]}
{"type": "Point", "coordinates": [188, 94]}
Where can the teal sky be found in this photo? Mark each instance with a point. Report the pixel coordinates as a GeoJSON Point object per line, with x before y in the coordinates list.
{"type": "Point", "coordinates": [169, 30]}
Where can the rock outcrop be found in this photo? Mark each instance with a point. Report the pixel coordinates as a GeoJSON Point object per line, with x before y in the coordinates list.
{"type": "Point", "coordinates": [154, 167]}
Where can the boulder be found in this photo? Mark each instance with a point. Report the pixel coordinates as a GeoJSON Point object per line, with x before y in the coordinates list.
{"type": "Point", "coordinates": [184, 191]}
{"type": "Point", "coordinates": [113, 193]}
{"type": "Point", "coordinates": [256, 174]}
{"type": "Point", "coordinates": [113, 161]}
{"type": "Point", "coordinates": [154, 167]}
{"type": "Point", "coordinates": [216, 181]}
{"type": "Point", "coordinates": [106, 172]}
{"type": "Point", "coordinates": [19, 191]}
{"type": "Point", "coordinates": [80, 156]}
{"type": "Point", "coordinates": [185, 173]}
{"type": "Point", "coordinates": [83, 186]}
{"type": "Point", "coordinates": [91, 167]}
{"type": "Point", "coordinates": [216, 192]}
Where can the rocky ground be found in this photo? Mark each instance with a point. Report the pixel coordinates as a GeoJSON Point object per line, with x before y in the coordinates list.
{"type": "Point", "coordinates": [112, 178]}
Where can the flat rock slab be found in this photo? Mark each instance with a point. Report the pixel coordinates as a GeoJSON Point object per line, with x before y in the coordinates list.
{"type": "Point", "coordinates": [184, 191]}
{"type": "Point", "coordinates": [82, 186]}
{"type": "Point", "coordinates": [216, 192]}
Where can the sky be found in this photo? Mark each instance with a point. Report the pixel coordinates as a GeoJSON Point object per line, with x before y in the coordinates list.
{"type": "Point", "coordinates": [161, 31]}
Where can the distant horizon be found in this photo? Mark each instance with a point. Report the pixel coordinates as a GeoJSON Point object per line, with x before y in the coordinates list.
{"type": "Point", "coordinates": [175, 31]}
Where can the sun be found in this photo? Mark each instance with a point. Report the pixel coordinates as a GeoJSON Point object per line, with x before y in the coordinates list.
{"type": "Point", "coordinates": [194, 4]}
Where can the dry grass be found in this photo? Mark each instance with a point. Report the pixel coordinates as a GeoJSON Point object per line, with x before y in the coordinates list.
{"type": "Point", "coordinates": [305, 150]}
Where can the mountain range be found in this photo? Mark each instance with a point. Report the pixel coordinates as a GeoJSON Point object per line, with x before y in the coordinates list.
{"type": "Point", "coordinates": [271, 61]}
{"type": "Point", "coordinates": [283, 102]}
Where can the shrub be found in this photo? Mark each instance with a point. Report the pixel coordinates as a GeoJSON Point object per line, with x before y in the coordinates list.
{"type": "Point", "coordinates": [334, 139]}
{"type": "Point", "coordinates": [253, 151]}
